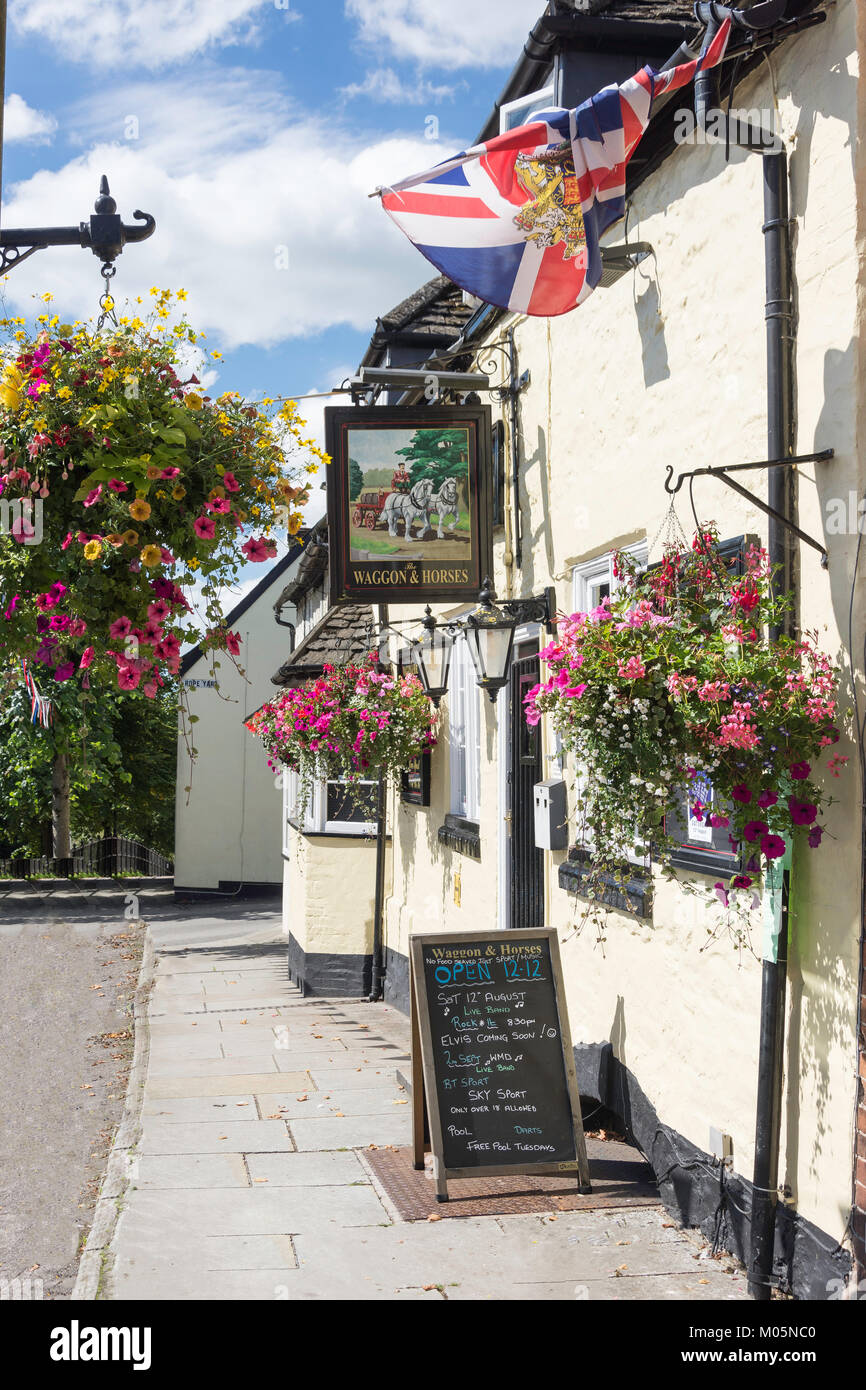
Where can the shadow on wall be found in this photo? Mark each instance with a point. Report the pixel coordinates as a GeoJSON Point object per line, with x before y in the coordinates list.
{"type": "Point", "coordinates": [651, 327]}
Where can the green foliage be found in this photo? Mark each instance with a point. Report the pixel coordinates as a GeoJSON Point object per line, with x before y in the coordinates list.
{"type": "Point", "coordinates": [122, 758]}
{"type": "Point", "coordinates": [437, 454]}
{"type": "Point", "coordinates": [356, 479]}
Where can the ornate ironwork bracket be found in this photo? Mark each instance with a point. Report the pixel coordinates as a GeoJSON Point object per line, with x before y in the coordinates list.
{"type": "Point", "coordinates": [822, 456]}
{"type": "Point", "coordinates": [105, 234]}
{"type": "Point", "coordinates": [532, 610]}
{"type": "Point", "coordinates": [512, 385]}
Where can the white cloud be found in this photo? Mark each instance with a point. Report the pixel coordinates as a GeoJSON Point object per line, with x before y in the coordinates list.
{"type": "Point", "coordinates": [22, 122]}
{"type": "Point", "coordinates": [262, 215]}
{"type": "Point", "coordinates": [384, 84]}
{"type": "Point", "coordinates": [149, 35]}
{"type": "Point", "coordinates": [450, 33]}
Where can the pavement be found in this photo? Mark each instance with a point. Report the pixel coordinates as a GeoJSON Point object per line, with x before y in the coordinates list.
{"type": "Point", "coordinates": [241, 1172]}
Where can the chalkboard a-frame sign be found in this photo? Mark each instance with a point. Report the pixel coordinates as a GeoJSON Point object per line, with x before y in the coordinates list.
{"type": "Point", "coordinates": [492, 1057]}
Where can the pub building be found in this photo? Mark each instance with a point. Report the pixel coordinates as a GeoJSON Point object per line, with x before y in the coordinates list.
{"type": "Point", "coordinates": [664, 364]}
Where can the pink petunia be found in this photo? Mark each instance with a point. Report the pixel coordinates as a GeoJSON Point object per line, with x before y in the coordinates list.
{"type": "Point", "coordinates": [753, 829]}
{"type": "Point", "coordinates": [158, 610]}
{"type": "Point", "coordinates": [204, 527]}
{"type": "Point", "coordinates": [119, 628]}
{"type": "Point", "coordinates": [258, 549]}
{"type": "Point", "coordinates": [230, 482]}
{"type": "Point", "coordinates": [65, 672]}
{"type": "Point", "coordinates": [802, 812]}
{"type": "Point", "coordinates": [86, 658]}
{"type": "Point", "coordinates": [741, 793]}
{"type": "Point", "coordinates": [93, 497]}
{"type": "Point", "coordinates": [116, 485]}
{"type": "Point", "coordinates": [127, 677]}
{"type": "Point", "coordinates": [800, 771]}
{"type": "Point", "coordinates": [767, 798]}
{"type": "Point", "coordinates": [772, 846]}
{"type": "Point", "coordinates": [816, 834]}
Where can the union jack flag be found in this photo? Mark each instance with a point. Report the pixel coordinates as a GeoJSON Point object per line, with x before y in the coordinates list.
{"type": "Point", "coordinates": [516, 221]}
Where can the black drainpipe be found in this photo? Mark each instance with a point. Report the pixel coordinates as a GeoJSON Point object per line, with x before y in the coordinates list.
{"type": "Point", "coordinates": [779, 316]}
{"type": "Point", "coordinates": [779, 313]}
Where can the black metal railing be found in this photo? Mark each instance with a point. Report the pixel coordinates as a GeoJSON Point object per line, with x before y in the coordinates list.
{"type": "Point", "coordinates": [113, 857]}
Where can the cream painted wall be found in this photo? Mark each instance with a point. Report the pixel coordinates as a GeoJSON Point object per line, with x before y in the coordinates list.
{"type": "Point", "coordinates": [328, 893]}
{"type": "Point", "coordinates": [230, 830]}
{"type": "Point", "coordinates": [668, 367]}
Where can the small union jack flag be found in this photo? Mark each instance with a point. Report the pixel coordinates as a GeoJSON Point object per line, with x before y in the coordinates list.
{"type": "Point", "coordinates": [517, 220]}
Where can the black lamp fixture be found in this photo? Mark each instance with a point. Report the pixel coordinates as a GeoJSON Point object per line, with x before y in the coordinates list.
{"type": "Point", "coordinates": [490, 639]}
{"type": "Point", "coordinates": [433, 655]}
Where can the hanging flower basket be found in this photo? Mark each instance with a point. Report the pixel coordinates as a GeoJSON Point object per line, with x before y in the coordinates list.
{"type": "Point", "coordinates": [675, 676]}
{"type": "Point", "coordinates": [120, 479]}
{"type": "Point", "coordinates": [353, 723]}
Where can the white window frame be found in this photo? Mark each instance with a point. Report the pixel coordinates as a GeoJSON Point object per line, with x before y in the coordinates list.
{"type": "Point", "coordinates": [540, 100]}
{"type": "Point", "coordinates": [587, 578]}
{"type": "Point", "coordinates": [315, 820]}
{"type": "Point", "coordinates": [464, 735]}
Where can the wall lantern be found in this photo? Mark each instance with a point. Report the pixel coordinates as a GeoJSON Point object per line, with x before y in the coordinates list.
{"type": "Point", "coordinates": [489, 631]}
{"type": "Point", "coordinates": [433, 655]}
{"type": "Point", "coordinates": [490, 639]}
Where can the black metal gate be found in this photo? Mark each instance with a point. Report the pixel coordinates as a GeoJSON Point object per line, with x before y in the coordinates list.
{"type": "Point", "coordinates": [527, 862]}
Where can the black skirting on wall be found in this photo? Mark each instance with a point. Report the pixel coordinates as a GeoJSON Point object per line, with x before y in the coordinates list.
{"type": "Point", "coordinates": [344, 976]}
{"type": "Point", "coordinates": [807, 1262]}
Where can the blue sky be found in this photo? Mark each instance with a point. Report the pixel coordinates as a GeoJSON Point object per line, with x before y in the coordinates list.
{"type": "Point", "coordinates": [253, 131]}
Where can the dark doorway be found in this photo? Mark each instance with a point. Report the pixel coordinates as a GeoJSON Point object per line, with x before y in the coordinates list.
{"type": "Point", "coordinates": [527, 863]}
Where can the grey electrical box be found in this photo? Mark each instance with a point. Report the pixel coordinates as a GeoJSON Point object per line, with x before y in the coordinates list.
{"type": "Point", "coordinates": [551, 831]}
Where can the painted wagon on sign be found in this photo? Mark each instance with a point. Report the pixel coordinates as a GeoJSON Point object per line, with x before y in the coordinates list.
{"type": "Point", "coordinates": [368, 508]}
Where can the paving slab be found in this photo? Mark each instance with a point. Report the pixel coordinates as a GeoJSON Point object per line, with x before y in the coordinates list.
{"type": "Point", "coordinates": [189, 1170]}
{"type": "Point", "coordinates": [349, 1078]}
{"type": "Point", "coordinates": [156, 1220]}
{"type": "Point", "coordinates": [387, 1100]}
{"type": "Point", "coordinates": [306, 1169]}
{"type": "Point", "coordinates": [214, 1109]}
{"type": "Point", "coordinates": [212, 1067]}
{"type": "Point", "coordinates": [234, 1046]}
{"type": "Point", "coordinates": [259, 1083]}
{"type": "Point", "coordinates": [351, 1132]}
{"type": "Point", "coordinates": [234, 1136]}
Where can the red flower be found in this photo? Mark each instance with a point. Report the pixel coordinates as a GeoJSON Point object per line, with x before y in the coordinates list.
{"type": "Point", "coordinates": [753, 829]}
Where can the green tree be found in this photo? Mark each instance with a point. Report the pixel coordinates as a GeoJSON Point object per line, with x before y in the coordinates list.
{"type": "Point", "coordinates": [120, 758]}
{"type": "Point", "coordinates": [438, 454]}
{"type": "Point", "coordinates": [356, 480]}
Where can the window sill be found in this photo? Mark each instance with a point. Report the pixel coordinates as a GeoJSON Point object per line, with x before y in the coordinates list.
{"type": "Point", "coordinates": [637, 899]}
{"type": "Point", "coordinates": [464, 836]}
{"type": "Point", "coordinates": [351, 832]}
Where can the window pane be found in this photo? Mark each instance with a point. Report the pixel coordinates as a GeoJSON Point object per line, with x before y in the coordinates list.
{"type": "Point", "coordinates": [357, 804]}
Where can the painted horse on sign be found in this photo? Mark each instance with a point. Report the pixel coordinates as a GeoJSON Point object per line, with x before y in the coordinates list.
{"type": "Point", "coordinates": [409, 507]}
{"type": "Point", "coordinates": [444, 503]}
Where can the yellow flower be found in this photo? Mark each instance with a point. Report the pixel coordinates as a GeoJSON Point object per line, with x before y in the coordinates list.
{"type": "Point", "coordinates": [178, 492]}
{"type": "Point", "coordinates": [130, 537]}
{"type": "Point", "coordinates": [64, 393]}
{"type": "Point", "coordinates": [12, 388]}
{"type": "Point", "coordinates": [192, 401]}
{"type": "Point", "coordinates": [151, 555]}
{"type": "Point", "coordinates": [139, 510]}
{"type": "Point", "coordinates": [295, 521]}
{"type": "Point", "coordinates": [93, 550]}
{"type": "Point", "coordinates": [181, 294]}
{"type": "Point", "coordinates": [192, 564]}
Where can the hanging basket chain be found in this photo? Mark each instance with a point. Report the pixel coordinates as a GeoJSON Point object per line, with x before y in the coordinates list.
{"type": "Point", "coordinates": [106, 301]}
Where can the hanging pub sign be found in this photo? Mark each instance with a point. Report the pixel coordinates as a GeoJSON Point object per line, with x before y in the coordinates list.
{"type": "Point", "coordinates": [408, 502]}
